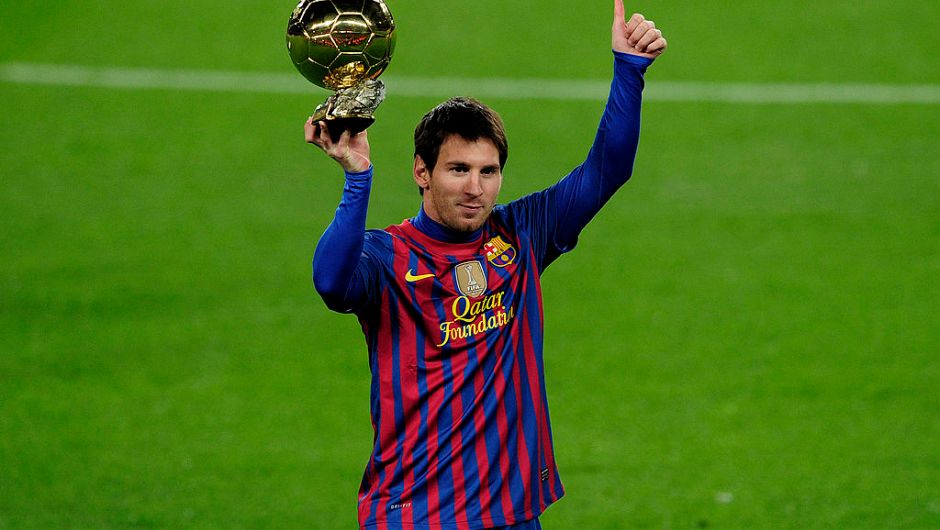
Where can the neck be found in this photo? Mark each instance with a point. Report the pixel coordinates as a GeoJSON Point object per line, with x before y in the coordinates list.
{"type": "Point", "coordinates": [436, 230]}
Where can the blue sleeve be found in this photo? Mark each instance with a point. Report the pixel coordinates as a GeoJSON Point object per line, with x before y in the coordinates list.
{"type": "Point", "coordinates": [554, 217]}
{"type": "Point", "coordinates": [343, 270]}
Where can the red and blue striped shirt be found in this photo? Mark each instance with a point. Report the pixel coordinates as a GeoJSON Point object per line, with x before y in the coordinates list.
{"type": "Point", "coordinates": [453, 326]}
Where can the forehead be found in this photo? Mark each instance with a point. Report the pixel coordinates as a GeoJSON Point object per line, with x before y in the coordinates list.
{"type": "Point", "coordinates": [456, 148]}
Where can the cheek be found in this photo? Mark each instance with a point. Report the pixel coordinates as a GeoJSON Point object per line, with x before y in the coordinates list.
{"type": "Point", "coordinates": [493, 189]}
{"type": "Point", "coordinates": [446, 187]}
{"type": "Point", "coordinates": [445, 202]}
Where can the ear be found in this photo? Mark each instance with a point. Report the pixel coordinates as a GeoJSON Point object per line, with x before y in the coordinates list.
{"type": "Point", "coordinates": [421, 173]}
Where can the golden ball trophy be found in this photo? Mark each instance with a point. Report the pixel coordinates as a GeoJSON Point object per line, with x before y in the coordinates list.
{"type": "Point", "coordinates": [343, 45]}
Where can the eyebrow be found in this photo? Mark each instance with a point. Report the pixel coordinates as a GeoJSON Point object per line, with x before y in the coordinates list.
{"type": "Point", "coordinates": [456, 163]}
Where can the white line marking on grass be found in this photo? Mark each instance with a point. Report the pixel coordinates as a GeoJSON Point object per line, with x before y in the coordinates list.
{"type": "Point", "coordinates": [484, 88]}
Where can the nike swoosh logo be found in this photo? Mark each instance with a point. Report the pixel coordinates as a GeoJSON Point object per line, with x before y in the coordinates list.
{"type": "Point", "coordinates": [412, 278]}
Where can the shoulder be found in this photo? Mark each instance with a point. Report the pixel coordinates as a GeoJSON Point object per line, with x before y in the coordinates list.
{"type": "Point", "coordinates": [505, 217]}
{"type": "Point", "coordinates": [402, 232]}
{"type": "Point", "coordinates": [525, 210]}
{"type": "Point", "coordinates": [384, 241]}
{"type": "Point", "coordinates": [376, 236]}
{"type": "Point", "coordinates": [378, 246]}
{"type": "Point", "coordinates": [506, 214]}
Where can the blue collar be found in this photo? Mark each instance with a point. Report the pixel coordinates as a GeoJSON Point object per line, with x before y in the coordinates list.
{"type": "Point", "coordinates": [435, 230]}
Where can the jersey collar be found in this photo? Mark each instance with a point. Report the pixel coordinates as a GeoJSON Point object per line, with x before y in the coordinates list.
{"type": "Point", "coordinates": [435, 230]}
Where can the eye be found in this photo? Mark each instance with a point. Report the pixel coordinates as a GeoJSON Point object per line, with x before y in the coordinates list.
{"type": "Point", "coordinates": [490, 171]}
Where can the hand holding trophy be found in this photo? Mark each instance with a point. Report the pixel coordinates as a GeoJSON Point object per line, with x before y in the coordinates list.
{"type": "Point", "coordinates": [343, 45]}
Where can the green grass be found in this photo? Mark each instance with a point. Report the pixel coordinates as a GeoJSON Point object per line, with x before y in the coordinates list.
{"type": "Point", "coordinates": [745, 337]}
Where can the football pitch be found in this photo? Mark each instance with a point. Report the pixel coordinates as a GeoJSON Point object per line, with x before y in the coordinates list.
{"type": "Point", "coordinates": [745, 337]}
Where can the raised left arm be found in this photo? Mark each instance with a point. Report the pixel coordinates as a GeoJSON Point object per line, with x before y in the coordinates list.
{"type": "Point", "coordinates": [571, 203]}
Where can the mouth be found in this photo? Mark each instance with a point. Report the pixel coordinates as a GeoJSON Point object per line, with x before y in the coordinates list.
{"type": "Point", "coordinates": [471, 209]}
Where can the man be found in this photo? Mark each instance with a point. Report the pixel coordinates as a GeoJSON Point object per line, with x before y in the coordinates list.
{"type": "Point", "coordinates": [450, 305]}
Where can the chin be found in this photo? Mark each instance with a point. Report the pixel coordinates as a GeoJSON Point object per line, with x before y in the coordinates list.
{"type": "Point", "coordinates": [466, 225]}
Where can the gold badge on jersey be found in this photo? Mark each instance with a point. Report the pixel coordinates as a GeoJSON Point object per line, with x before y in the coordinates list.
{"type": "Point", "coordinates": [499, 252]}
{"type": "Point", "coordinates": [470, 278]}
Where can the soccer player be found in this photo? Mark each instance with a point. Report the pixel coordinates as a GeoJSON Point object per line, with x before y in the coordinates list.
{"type": "Point", "coordinates": [450, 305]}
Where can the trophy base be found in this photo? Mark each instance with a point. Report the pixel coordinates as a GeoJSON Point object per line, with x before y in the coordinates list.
{"type": "Point", "coordinates": [336, 126]}
{"type": "Point", "coordinates": [351, 109]}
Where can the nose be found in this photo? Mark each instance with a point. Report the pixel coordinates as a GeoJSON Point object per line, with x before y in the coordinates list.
{"type": "Point", "coordinates": [474, 185]}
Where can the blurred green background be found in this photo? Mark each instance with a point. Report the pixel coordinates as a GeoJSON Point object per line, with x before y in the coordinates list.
{"type": "Point", "coordinates": [746, 336]}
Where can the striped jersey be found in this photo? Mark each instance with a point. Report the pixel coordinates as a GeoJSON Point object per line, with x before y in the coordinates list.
{"type": "Point", "coordinates": [461, 417]}
{"type": "Point", "coordinates": [453, 326]}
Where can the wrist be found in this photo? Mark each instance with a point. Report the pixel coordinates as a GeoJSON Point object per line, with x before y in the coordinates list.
{"type": "Point", "coordinates": [358, 175]}
{"type": "Point", "coordinates": [356, 165]}
{"type": "Point", "coordinates": [632, 58]}
{"type": "Point", "coordinates": [357, 168]}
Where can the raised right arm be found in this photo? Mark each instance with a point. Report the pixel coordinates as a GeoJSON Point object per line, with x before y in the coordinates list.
{"type": "Point", "coordinates": [340, 269]}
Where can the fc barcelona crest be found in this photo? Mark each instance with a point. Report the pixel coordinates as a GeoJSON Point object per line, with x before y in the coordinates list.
{"type": "Point", "coordinates": [470, 278]}
{"type": "Point", "coordinates": [499, 252]}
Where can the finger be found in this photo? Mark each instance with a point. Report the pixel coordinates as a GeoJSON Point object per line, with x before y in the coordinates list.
{"type": "Point", "coordinates": [309, 130]}
{"type": "Point", "coordinates": [641, 29]}
{"type": "Point", "coordinates": [648, 38]}
{"type": "Point", "coordinates": [657, 45]}
{"type": "Point", "coordinates": [618, 12]}
{"type": "Point", "coordinates": [634, 21]}
{"type": "Point", "coordinates": [323, 136]}
{"type": "Point", "coordinates": [314, 132]}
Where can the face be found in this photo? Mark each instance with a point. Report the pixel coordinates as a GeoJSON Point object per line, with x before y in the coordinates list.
{"type": "Point", "coordinates": [461, 190]}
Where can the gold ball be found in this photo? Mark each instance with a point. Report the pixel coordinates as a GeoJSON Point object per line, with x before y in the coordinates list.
{"type": "Point", "coordinates": [337, 44]}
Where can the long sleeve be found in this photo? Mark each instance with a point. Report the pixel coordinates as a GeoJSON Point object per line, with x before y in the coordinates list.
{"type": "Point", "coordinates": [559, 213]}
{"type": "Point", "coordinates": [340, 268]}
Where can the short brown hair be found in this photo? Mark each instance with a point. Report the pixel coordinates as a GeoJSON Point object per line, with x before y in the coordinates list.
{"type": "Point", "coordinates": [465, 117]}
